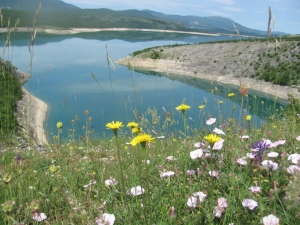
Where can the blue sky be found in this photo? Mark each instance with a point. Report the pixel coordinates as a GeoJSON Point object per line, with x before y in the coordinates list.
{"type": "Point", "coordinates": [249, 13]}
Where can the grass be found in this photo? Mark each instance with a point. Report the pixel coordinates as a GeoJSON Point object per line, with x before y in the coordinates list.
{"type": "Point", "coordinates": [211, 175]}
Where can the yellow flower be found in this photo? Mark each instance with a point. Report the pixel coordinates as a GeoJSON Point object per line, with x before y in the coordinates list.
{"type": "Point", "coordinates": [132, 124]}
{"type": "Point", "coordinates": [136, 130]}
{"type": "Point", "coordinates": [248, 117]}
{"type": "Point", "coordinates": [59, 125]}
{"type": "Point", "coordinates": [114, 125]}
{"type": "Point", "coordinates": [220, 102]}
{"type": "Point", "coordinates": [212, 138]}
{"type": "Point", "coordinates": [201, 106]}
{"type": "Point", "coordinates": [230, 94]}
{"type": "Point", "coordinates": [183, 107]}
{"type": "Point", "coordinates": [141, 139]}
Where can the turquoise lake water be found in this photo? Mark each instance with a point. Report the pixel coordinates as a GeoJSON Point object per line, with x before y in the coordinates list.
{"type": "Point", "coordinates": [61, 76]}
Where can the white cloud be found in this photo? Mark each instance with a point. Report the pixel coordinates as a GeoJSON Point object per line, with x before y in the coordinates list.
{"type": "Point", "coordinates": [233, 9]}
{"type": "Point", "coordinates": [225, 2]}
{"type": "Point", "coordinates": [217, 13]}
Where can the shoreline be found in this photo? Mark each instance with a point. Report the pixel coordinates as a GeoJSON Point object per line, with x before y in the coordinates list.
{"type": "Point", "coordinates": [31, 113]}
{"type": "Point", "coordinates": [91, 30]}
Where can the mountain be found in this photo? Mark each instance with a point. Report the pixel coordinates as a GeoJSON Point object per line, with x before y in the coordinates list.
{"type": "Point", "coordinates": [32, 5]}
{"type": "Point", "coordinates": [57, 14]}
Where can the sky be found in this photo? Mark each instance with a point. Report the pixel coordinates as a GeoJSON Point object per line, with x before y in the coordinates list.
{"type": "Point", "coordinates": [249, 13]}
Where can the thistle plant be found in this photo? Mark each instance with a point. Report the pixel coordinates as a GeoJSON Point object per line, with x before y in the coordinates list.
{"type": "Point", "coordinates": [59, 126]}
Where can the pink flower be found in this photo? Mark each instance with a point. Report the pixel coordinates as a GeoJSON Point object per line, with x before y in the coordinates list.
{"type": "Point", "coordinates": [138, 190]}
{"type": "Point", "coordinates": [214, 174]}
{"type": "Point", "coordinates": [166, 174]}
{"type": "Point", "coordinates": [39, 216]}
{"type": "Point", "coordinates": [106, 219]}
{"type": "Point", "coordinates": [172, 212]}
{"type": "Point", "coordinates": [222, 202]}
{"type": "Point", "coordinates": [201, 195]}
{"type": "Point", "coordinates": [218, 145]}
{"type": "Point", "coordinates": [111, 181]}
{"type": "Point", "coordinates": [273, 154]}
{"type": "Point", "coordinates": [192, 202]}
{"type": "Point", "coordinates": [218, 211]}
{"type": "Point", "coordinates": [270, 220]}
{"type": "Point", "coordinates": [218, 131]}
{"type": "Point", "coordinates": [211, 121]}
{"type": "Point", "coordinates": [191, 172]}
{"type": "Point", "coordinates": [242, 161]}
{"type": "Point", "coordinates": [295, 158]}
{"type": "Point", "coordinates": [199, 145]}
{"type": "Point", "coordinates": [293, 169]}
{"type": "Point", "coordinates": [196, 153]}
{"type": "Point", "coordinates": [254, 189]}
{"type": "Point", "coordinates": [249, 203]}
{"type": "Point", "coordinates": [276, 143]}
{"type": "Point", "coordinates": [250, 155]}
{"type": "Point", "coordinates": [269, 164]}
{"type": "Point", "coordinates": [298, 138]}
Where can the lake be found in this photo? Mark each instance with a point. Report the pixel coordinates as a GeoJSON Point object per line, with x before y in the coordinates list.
{"type": "Point", "coordinates": [61, 76]}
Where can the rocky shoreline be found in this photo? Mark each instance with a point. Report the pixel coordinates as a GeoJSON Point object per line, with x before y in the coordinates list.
{"type": "Point", "coordinates": [227, 63]}
{"type": "Point", "coordinates": [31, 113]}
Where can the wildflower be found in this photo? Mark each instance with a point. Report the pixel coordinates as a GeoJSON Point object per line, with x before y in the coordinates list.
{"type": "Point", "coordinates": [146, 161]}
{"type": "Point", "coordinates": [244, 137]}
{"type": "Point", "coordinates": [293, 169]}
{"type": "Point", "coordinates": [38, 216]}
{"type": "Point", "coordinates": [111, 181]}
{"type": "Point", "coordinates": [243, 90]}
{"type": "Point", "coordinates": [90, 184]}
{"type": "Point", "coordinates": [218, 131]}
{"type": "Point", "coordinates": [249, 203]}
{"type": "Point", "coordinates": [106, 219]}
{"type": "Point", "coordinates": [138, 190]}
{"type": "Point", "coordinates": [168, 116]}
{"type": "Point", "coordinates": [222, 202]}
{"type": "Point", "coordinates": [298, 138]}
{"type": "Point", "coordinates": [172, 212]}
{"type": "Point", "coordinates": [218, 145]}
{"type": "Point", "coordinates": [86, 112]}
{"type": "Point", "coordinates": [132, 124]}
{"type": "Point", "coordinates": [73, 122]}
{"type": "Point", "coordinates": [196, 153]}
{"type": "Point", "coordinates": [248, 118]}
{"type": "Point", "coordinates": [230, 94]}
{"type": "Point", "coordinates": [166, 174]}
{"type": "Point", "coordinates": [192, 202]}
{"type": "Point", "coordinates": [214, 173]}
{"type": "Point", "coordinates": [259, 148]}
{"type": "Point", "coordinates": [136, 130]}
{"type": "Point", "coordinates": [220, 102]}
{"type": "Point", "coordinates": [254, 189]}
{"type": "Point", "coordinates": [171, 158]}
{"type": "Point", "coordinates": [242, 161]}
{"type": "Point", "coordinates": [191, 172]}
{"type": "Point", "coordinates": [201, 106]}
{"type": "Point", "coordinates": [90, 119]}
{"type": "Point", "coordinates": [8, 206]}
{"type": "Point", "coordinates": [199, 145]}
{"type": "Point", "coordinates": [273, 154]}
{"type": "Point", "coordinates": [212, 139]}
{"type": "Point", "coordinates": [211, 121]}
{"type": "Point", "coordinates": [141, 139]}
{"type": "Point", "coordinates": [114, 125]}
{"type": "Point", "coordinates": [201, 195]}
{"type": "Point", "coordinates": [182, 107]}
{"type": "Point", "coordinates": [270, 220]}
{"type": "Point", "coordinates": [218, 211]}
{"type": "Point", "coordinates": [295, 158]}
{"type": "Point", "coordinates": [268, 164]}
{"type": "Point", "coordinates": [59, 125]}
{"type": "Point", "coordinates": [276, 143]}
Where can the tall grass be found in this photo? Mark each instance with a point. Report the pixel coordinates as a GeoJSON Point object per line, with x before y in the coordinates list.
{"type": "Point", "coordinates": [225, 171]}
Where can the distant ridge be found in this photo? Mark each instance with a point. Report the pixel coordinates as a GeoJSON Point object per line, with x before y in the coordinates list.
{"type": "Point", "coordinates": [60, 15]}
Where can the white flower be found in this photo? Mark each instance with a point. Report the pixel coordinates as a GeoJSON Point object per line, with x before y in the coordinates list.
{"type": "Point", "coordinates": [111, 181]}
{"type": "Point", "coordinates": [244, 137]}
{"type": "Point", "coordinates": [298, 138]}
{"type": "Point", "coordinates": [218, 211]}
{"type": "Point", "coordinates": [270, 220]}
{"type": "Point", "coordinates": [161, 137]}
{"type": "Point", "coordinates": [106, 219]}
{"type": "Point", "coordinates": [250, 155]}
{"type": "Point", "coordinates": [295, 158]}
{"type": "Point", "coordinates": [268, 164]}
{"type": "Point", "coordinates": [242, 161]}
{"type": "Point", "coordinates": [89, 184]}
{"type": "Point", "coordinates": [192, 202]}
{"type": "Point", "coordinates": [171, 158]}
{"type": "Point", "coordinates": [218, 145]}
{"type": "Point", "coordinates": [276, 143]}
{"type": "Point", "coordinates": [196, 153]}
{"type": "Point", "coordinates": [214, 174]}
{"type": "Point", "coordinates": [166, 174]}
{"type": "Point", "coordinates": [138, 190]}
{"type": "Point", "coordinates": [293, 169]}
{"type": "Point", "coordinates": [218, 131]}
{"type": "Point", "coordinates": [273, 154]}
{"type": "Point", "coordinates": [249, 203]}
{"type": "Point", "coordinates": [201, 195]}
{"type": "Point", "coordinates": [211, 121]}
{"type": "Point", "coordinates": [190, 172]}
{"type": "Point", "coordinates": [39, 216]}
{"type": "Point", "coordinates": [254, 189]}
{"type": "Point", "coordinates": [222, 202]}
{"type": "Point", "coordinates": [147, 161]}
{"type": "Point", "coordinates": [199, 145]}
